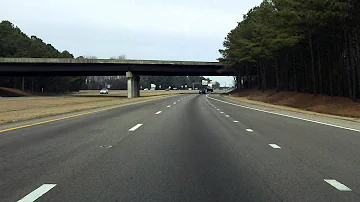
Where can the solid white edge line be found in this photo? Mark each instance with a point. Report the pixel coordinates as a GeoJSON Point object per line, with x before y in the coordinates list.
{"type": "Point", "coordinates": [249, 130]}
{"type": "Point", "coordinates": [37, 193]}
{"type": "Point", "coordinates": [337, 185]}
{"type": "Point", "coordinates": [275, 146]}
{"type": "Point", "coordinates": [135, 127]}
{"type": "Point", "coordinates": [158, 112]}
{"type": "Point", "coordinates": [289, 116]}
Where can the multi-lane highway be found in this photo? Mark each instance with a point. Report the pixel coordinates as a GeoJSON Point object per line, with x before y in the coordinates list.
{"type": "Point", "coordinates": [183, 148]}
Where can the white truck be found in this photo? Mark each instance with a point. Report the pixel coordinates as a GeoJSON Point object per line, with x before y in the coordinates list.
{"type": "Point", "coordinates": [204, 82]}
{"type": "Point", "coordinates": [210, 88]}
{"type": "Point", "coordinates": [207, 85]}
{"type": "Point", "coordinates": [152, 86]}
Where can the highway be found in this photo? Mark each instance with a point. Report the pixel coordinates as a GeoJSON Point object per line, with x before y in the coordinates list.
{"type": "Point", "coordinates": [183, 148]}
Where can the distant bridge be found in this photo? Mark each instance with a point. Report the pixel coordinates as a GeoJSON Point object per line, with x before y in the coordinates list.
{"type": "Point", "coordinates": [107, 67]}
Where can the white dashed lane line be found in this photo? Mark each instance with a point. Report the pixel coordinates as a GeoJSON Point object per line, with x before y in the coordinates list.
{"type": "Point", "coordinates": [339, 186]}
{"type": "Point", "coordinates": [174, 103]}
{"type": "Point", "coordinates": [159, 112]}
{"type": "Point", "coordinates": [135, 127]}
{"type": "Point", "coordinates": [178, 100]}
{"type": "Point", "coordinates": [168, 106]}
{"type": "Point", "coordinates": [288, 116]}
{"type": "Point", "coordinates": [275, 146]}
{"type": "Point", "coordinates": [37, 193]}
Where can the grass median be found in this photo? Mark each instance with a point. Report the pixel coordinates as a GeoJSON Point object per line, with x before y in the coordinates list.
{"type": "Point", "coordinates": [27, 109]}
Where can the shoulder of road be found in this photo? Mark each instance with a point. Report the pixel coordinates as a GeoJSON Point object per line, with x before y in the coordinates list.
{"type": "Point", "coordinates": [325, 119]}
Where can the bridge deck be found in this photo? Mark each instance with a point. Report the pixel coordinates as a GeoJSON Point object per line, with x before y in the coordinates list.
{"type": "Point", "coordinates": [73, 67]}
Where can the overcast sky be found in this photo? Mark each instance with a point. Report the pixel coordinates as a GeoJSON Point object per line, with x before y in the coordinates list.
{"type": "Point", "coordinates": [140, 29]}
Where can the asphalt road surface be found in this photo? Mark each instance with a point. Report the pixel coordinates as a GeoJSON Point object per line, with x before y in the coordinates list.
{"type": "Point", "coordinates": [181, 148]}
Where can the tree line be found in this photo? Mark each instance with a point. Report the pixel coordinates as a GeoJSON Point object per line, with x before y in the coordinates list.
{"type": "Point", "coordinates": [161, 82]}
{"type": "Point", "coordinates": [298, 45]}
{"type": "Point", "coordinates": [179, 82]}
{"type": "Point", "coordinates": [15, 43]}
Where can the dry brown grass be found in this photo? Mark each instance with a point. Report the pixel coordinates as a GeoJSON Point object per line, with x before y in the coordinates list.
{"type": "Point", "coordinates": [26, 109]}
{"type": "Point", "coordinates": [337, 107]}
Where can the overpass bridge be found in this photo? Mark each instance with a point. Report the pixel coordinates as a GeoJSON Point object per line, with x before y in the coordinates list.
{"type": "Point", "coordinates": [108, 67]}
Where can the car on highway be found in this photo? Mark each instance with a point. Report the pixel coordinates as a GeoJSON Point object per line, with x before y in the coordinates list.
{"type": "Point", "coordinates": [104, 91]}
{"type": "Point", "coordinates": [202, 91]}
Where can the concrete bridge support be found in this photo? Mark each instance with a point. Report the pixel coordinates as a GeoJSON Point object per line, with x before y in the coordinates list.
{"type": "Point", "coordinates": [133, 85]}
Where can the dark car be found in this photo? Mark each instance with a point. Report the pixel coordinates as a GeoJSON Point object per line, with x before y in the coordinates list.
{"type": "Point", "coordinates": [202, 91]}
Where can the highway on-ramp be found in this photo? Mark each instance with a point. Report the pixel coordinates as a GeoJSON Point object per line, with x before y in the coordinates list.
{"type": "Point", "coordinates": [182, 148]}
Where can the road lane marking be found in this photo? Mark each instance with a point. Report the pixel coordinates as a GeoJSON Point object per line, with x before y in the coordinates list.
{"type": "Point", "coordinates": [37, 193]}
{"type": "Point", "coordinates": [227, 115]}
{"type": "Point", "coordinates": [275, 146]}
{"type": "Point", "coordinates": [249, 130]}
{"type": "Point", "coordinates": [337, 185]}
{"type": "Point", "coordinates": [168, 106]}
{"type": "Point", "coordinates": [135, 127]}
{"type": "Point", "coordinates": [289, 116]}
{"type": "Point", "coordinates": [106, 146]}
{"type": "Point", "coordinates": [221, 112]}
{"type": "Point", "coordinates": [57, 119]}
{"type": "Point", "coordinates": [159, 112]}
{"type": "Point", "coordinates": [178, 100]}
{"type": "Point", "coordinates": [218, 109]}
{"type": "Point", "coordinates": [174, 103]}
{"type": "Point", "coordinates": [236, 121]}
{"type": "Point", "coordinates": [71, 116]}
